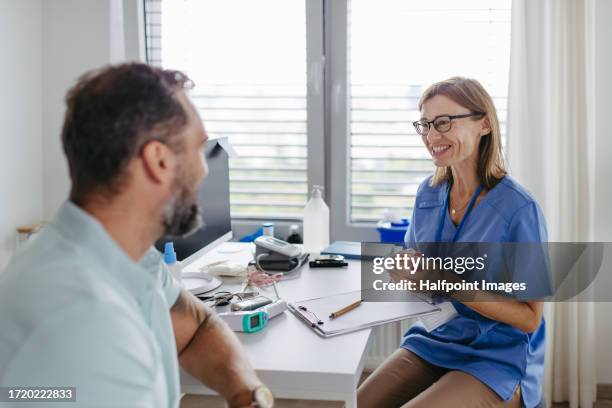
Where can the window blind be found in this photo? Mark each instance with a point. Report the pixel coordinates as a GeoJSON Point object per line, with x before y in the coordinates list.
{"type": "Point", "coordinates": [249, 67]}
{"type": "Point", "coordinates": [396, 49]}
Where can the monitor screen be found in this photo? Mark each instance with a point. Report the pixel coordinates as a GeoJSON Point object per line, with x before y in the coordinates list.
{"type": "Point", "coordinates": [214, 202]}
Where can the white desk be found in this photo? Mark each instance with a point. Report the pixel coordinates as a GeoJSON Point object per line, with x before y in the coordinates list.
{"type": "Point", "coordinates": [287, 355]}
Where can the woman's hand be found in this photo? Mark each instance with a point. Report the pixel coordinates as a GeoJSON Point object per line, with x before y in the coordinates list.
{"type": "Point", "coordinates": [410, 274]}
{"type": "Point", "coordinates": [398, 275]}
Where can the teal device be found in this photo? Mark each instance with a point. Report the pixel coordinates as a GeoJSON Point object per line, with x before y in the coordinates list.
{"type": "Point", "coordinates": [251, 321]}
{"type": "Point", "coordinates": [248, 321]}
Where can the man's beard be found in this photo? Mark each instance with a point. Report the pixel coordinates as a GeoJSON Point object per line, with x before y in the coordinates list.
{"type": "Point", "coordinates": [182, 216]}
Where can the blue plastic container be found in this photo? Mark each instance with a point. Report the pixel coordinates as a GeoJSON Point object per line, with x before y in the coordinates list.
{"type": "Point", "coordinates": [393, 232]}
{"type": "Point", "coordinates": [253, 236]}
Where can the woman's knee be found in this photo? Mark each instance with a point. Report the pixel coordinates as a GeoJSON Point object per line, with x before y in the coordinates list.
{"type": "Point", "coordinates": [460, 389]}
{"type": "Point", "coordinates": [398, 379]}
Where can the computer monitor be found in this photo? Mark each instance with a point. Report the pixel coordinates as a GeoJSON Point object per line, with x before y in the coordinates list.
{"type": "Point", "coordinates": [214, 202]}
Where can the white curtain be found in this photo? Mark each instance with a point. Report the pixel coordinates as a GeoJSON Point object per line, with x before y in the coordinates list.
{"type": "Point", "coordinates": [550, 151]}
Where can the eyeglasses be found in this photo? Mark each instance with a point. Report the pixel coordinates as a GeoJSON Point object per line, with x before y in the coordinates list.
{"type": "Point", "coordinates": [441, 123]}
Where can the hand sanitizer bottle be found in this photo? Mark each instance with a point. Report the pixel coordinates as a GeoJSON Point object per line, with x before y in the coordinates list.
{"type": "Point", "coordinates": [316, 223]}
{"type": "Point", "coordinates": [170, 259]}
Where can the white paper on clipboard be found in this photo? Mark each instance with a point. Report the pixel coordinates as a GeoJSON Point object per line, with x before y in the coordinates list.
{"type": "Point", "coordinates": [367, 314]}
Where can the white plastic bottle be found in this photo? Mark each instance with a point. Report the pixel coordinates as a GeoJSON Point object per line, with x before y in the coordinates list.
{"type": "Point", "coordinates": [316, 223]}
{"type": "Point", "coordinates": [174, 266]}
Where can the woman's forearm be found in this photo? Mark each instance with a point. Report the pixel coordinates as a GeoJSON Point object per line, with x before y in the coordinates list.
{"type": "Point", "coordinates": [524, 316]}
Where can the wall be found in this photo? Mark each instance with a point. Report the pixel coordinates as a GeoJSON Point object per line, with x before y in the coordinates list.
{"type": "Point", "coordinates": [46, 45]}
{"type": "Point", "coordinates": [133, 25]}
{"type": "Point", "coordinates": [603, 193]}
{"type": "Point", "coordinates": [78, 35]}
{"type": "Point", "coordinates": [20, 116]}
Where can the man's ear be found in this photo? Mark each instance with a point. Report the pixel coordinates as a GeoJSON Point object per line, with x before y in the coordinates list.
{"type": "Point", "coordinates": [159, 162]}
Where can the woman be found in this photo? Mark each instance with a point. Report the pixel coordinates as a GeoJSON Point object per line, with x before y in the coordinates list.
{"type": "Point", "coordinates": [492, 353]}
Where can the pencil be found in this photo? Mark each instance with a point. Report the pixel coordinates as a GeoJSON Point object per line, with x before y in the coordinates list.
{"type": "Point", "coordinates": [345, 309]}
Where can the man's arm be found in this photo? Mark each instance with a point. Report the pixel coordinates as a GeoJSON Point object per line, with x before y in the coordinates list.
{"type": "Point", "coordinates": [209, 350]}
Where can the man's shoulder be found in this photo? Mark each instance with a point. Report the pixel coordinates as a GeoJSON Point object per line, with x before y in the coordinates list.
{"type": "Point", "coordinates": [79, 344]}
{"type": "Point", "coordinates": [50, 275]}
{"type": "Point", "coordinates": [49, 291]}
{"type": "Point", "coordinates": [30, 309]}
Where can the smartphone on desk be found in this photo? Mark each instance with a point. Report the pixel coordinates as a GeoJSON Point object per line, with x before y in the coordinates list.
{"type": "Point", "coordinates": [328, 261]}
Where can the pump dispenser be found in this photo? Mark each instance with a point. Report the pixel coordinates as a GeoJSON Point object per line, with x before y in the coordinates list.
{"type": "Point", "coordinates": [174, 266]}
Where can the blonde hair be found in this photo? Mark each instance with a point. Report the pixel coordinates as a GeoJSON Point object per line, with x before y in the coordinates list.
{"type": "Point", "coordinates": [470, 94]}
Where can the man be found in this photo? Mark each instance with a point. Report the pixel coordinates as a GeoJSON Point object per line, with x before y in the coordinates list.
{"type": "Point", "coordinates": [86, 304]}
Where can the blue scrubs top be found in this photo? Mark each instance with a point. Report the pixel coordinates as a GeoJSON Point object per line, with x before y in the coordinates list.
{"type": "Point", "coordinates": [497, 354]}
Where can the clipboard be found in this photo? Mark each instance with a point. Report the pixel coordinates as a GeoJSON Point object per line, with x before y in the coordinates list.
{"type": "Point", "coordinates": [315, 313]}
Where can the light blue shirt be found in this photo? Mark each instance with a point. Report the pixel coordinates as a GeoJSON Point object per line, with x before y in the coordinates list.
{"type": "Point", "coordinates": [76, 311]}
{"type": "Point", "coordinates": [497, 354]}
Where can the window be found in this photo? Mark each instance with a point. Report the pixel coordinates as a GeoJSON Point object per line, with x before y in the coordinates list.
{"type": "Point", "coordinates": [397, 48]}
{"type": "Point", "coordinates": [324, 92]}
{"type": "Point", "coordinates": [249, 67]}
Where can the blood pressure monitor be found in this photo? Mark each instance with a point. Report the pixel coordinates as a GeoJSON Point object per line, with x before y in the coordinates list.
{"type": "Point", "coordinates": [272, 244]}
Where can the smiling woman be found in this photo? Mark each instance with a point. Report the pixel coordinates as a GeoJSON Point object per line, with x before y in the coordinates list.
{"type": "Point", "coordinates": [468, 359]}
{"type": "Point", "coordinates": [470, 100]}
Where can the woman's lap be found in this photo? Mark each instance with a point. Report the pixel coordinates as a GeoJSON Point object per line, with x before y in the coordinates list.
{"type": "Point", "coordinates": [406, 380]}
